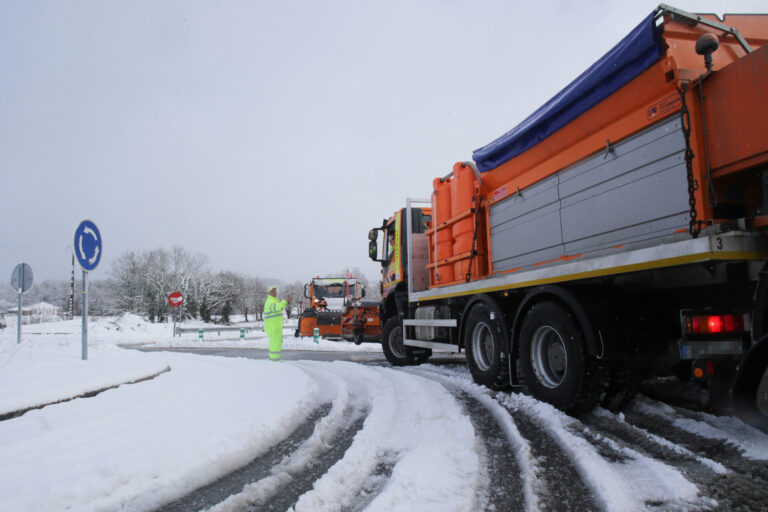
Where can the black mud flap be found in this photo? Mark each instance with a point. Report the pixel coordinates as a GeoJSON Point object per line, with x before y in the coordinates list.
{"type": "Point", "coordinates": [748, 392]}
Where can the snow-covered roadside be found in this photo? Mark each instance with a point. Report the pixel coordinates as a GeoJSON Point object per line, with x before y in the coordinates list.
{"type": "Point", "coordinates": [130, 329]}
{"type": "Point", "coordinates": [47, 366]}
{"type": "Point", "coordinates": [138, 446]}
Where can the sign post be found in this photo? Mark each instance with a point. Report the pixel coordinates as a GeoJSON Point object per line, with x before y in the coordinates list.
{"type": "Point", "coordinates": [21, 280]}
{"type": "Point", "coordinates": [87, 250]}
{"type": "Point", "coordinates": [175, 299]}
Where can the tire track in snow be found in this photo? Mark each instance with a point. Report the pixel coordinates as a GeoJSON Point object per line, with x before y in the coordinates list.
{"type": "Point", "coordinates": [260, 467]}
{"type": "Point", "coordinates": [584, 469]}
{"type": "Point", "coordinates": [506, 455]}
{"type": "Point", "coordinates": [726, 441]}
{"type": "Point", "coordinates": [556, 484]}
{"type": "Point", "coordinates": [652, 445]}
{"type": "Point", "coordinates": [505, 480]}
{"type": "Point", "coordinates": [299, 483]}
{"type": "Point", "coordinates": [354, 472]}
{"type": "Point", "coordinates": [290, 477]}
{"type": "Point", "coordinates": [415, 428]}
{"type": "Point", "coordinates": [619, 477]}
{"type": "Point", "coordinates": [561, 486]}
{"type": "Point", "coordinates": [372, 486]}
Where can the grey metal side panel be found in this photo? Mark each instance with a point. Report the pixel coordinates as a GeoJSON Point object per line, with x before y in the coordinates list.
{"type": "Point", "coordinates": [638, 192]}
{"type": "Point", "coordinates": [525, 228]}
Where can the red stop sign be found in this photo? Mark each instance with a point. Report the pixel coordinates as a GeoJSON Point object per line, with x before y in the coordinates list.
{"type": "Point", "coordinates": [176, 299]}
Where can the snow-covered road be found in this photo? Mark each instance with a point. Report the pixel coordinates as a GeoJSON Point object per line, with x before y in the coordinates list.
{"type": "Point", "coordinates": [232, 433]}
{"type": "Point", "coordinates": [428, 438]}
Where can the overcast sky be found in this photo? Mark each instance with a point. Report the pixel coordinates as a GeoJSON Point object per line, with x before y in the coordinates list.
{"type": "Point", "coordinates": [269, 136]}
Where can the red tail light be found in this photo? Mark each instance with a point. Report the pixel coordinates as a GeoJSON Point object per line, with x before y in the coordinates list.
{"type": "Point", "coordinates": [714, 324]}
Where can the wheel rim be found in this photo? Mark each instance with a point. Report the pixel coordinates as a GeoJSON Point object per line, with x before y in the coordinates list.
{"type": "Point", "coordinates": [482, 346]}
{"type": "Point", "coordinates": [548, 356]}
{"type": "Point", "coordinates": [396, 344]}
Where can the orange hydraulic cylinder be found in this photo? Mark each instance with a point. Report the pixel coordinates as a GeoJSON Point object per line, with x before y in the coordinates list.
{"type": "Point", "coordinates": [462, 192]}
{"type": "Point", "coordinates": [442, 272]}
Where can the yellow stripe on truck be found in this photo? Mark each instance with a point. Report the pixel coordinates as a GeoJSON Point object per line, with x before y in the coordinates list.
{"type": "Point", "coordinates": [622, 269]}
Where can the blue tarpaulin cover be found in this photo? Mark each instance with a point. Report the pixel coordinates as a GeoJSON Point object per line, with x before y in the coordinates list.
{"type": "Point", "coordinates": [633, 55]}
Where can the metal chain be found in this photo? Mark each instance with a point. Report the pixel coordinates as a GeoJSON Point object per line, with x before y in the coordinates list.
{"type": "Point", "coordinates": [694, 226]}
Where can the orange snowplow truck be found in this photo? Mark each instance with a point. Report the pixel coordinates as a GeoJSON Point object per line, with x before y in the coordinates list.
{"type": "Point", "coordinates": [335, 308]}
{"type": "Point", "coordinates": [619, 231]}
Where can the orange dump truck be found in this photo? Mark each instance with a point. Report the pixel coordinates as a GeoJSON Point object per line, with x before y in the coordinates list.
{"type": "Point", "coordinates": [335, 307]}
{"type": "Point", "coordinates": [619, 230]}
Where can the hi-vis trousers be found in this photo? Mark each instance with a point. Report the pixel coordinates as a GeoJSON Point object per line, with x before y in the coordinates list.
{"type": "Point", "coordinates": [275, 342]}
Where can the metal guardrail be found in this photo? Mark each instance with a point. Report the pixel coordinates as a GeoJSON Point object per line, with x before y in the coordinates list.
{"type": "Point", "coordinates": [217, 329]}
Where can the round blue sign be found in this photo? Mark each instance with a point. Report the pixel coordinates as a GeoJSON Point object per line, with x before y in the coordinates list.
{"type": "Point", "coordinates": [87, 245]}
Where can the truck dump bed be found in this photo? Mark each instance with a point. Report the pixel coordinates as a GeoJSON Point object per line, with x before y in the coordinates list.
{"type": "Point", "coordinates": [610, 166]}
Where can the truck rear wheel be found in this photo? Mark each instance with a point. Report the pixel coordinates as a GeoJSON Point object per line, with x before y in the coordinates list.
{"type": "Point", "coordinates": [749, 394]}
{"type": "Point", "coordinates": [396, 352]}
{"type": "Point", "coordinates": [484, 346]}
{"type": "Point", "coordinates": [554, 363]}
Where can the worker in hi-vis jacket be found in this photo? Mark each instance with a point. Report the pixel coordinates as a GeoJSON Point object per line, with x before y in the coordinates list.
{"type": "Point", "coordinates": [273, 322]}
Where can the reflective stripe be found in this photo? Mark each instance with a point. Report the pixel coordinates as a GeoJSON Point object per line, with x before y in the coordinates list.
{"type": "Point", "coordinates": [273, 315]}
{"type": "Point", "coordinates": [275, 356]}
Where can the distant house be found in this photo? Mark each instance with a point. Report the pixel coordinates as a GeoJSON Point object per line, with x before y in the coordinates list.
{"type": "Point", "coordinates": [41, 308]}
{"type": "Point", "coordinates": [35, 313]}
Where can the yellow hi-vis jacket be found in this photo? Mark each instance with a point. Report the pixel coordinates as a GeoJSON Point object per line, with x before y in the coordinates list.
{"type": "Point", "coordinates": [273, 316]}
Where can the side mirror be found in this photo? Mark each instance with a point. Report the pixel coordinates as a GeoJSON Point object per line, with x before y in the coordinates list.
{"type": "Point", "coordinates": [373, 234]}
{"type": "Point", "coordinates": [373, 250]}
{"type": "Point", "coordinates": [306, 291]}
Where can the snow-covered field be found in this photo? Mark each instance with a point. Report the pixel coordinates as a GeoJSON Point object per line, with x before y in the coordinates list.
{"type": "Point", "coordinates": [179, 421]}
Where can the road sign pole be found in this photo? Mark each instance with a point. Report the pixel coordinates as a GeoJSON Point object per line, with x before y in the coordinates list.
{"type": "Point", "coordinates": [175, 300]}
{"type": "Point", "coordinates": [87, 248]}
{"type": "Point", "coordinates": [21, 281]}
{"type": "Point", "coordinates": [85, 315]}
{"type": "Point", "coordinates": [18, 327]}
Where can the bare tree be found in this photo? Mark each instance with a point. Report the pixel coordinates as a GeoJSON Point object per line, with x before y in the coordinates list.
{"type": "Point", "coordinates": [127, 270]}
{"type": "Point", "coordinates": [231, 287]}
{"type": "Point", "coordinates": [252, 297]}
{"type": "Point", "coordinates": [295, 291]}
{"type": "Point", "coordinates": [141, 282]}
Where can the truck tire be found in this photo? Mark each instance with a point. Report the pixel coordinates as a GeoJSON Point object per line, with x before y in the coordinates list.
{"type": "Point", "coordinates": [749, 393]}
{"type": "Point", "coordinates": [484, 346]}
{"type": "Point", "coordinates": [395, 351]}
{"type": "Point", "coordinates": [554, 363]}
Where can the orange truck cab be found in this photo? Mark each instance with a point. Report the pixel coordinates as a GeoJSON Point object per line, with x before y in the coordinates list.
{"type": "Point", "coordinates": [404, 261]}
